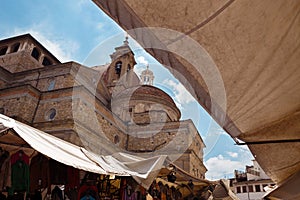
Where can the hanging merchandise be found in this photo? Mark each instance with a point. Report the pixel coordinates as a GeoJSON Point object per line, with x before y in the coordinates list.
{"type": "Point", "coordinates": [130, 190]}
{"type": "Point", "coordinates": [57, 194]}
{"type": "Point", "coordinates": [20, 155]}
{"type": "Point", "coordinates": [72, 185]}
{"type": "Point", "coordinates": [58, 172]}
{"type": "Point", "coordinates": [154, 190]}
{"type": "Point", "coordinates": [88, 192]}
{"type": "Point", "coordinates": [38, 172]}
{"type": "Point", "coordinates": [5, 170]}
{"type": "Point", "coordinates": [3, 156]}
{"type": "Point", "coordinates": [19, 173]}
{"type": "Point", "coordinates": [72, 178]}
{"type": "Point", "coordinates": [71, 194]}
{"type": "Point", "coordinates": [37, 195]}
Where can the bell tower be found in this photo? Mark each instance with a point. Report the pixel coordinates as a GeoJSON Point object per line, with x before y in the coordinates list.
{"type": "Point", "coordinates": [120, 71]}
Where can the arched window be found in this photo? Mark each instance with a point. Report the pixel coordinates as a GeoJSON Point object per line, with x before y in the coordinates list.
{"type": "Point", "coordinates": [35, 53]}
{"type": "Point", "coordinates": [116, 139]}
{"type": "Point", "coordinates": [118, 67]}
{"type": "Point", "coordinates": [128, 68]}
{"type": "Point", "coordinates": [51, 84]}
{"type": "Point", "coordinates": [3, 50]}
{"type": "Point", "coordinates": [15, 47]}
{"type": "Point", "coordinates": [46, 62]}
{"type": "Point", "coordinates": [146, 79]}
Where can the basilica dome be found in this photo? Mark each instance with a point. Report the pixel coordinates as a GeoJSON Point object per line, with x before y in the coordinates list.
{"type": "Point", "coordinates": [145, 104]}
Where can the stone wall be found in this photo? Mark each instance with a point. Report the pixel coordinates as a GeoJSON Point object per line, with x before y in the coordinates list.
{"type": "Point", "coordinates": [190, 163]}
{"type": "Point", "coordinates": [19, 102]}
{"type": "Point", "coordinates": [19, 61]}
{"type": "Point", "coordinates": [187, 151]}
{"type": "Point", "coordinates": [60, 101]}
{"type": "Point", "coordinates": [91, 114]}
{"type": "Point", "coordinates": [138, 142]}
{"type": "Point", "coordinates": [183, 162]}
{"type": "Point", "coordinates": [196, 166]}
{"type": "Point", "coordinates": [22, 53]}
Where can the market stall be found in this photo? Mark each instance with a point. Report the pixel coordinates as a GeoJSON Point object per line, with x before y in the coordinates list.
{"type": "Point", "coordinates": [56, 163]}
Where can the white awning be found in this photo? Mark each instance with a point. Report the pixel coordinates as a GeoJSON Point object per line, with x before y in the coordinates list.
{"type": "Point", "coordinates": [121, 164]}
{"type": "Point", "coordinates": [289, 189]}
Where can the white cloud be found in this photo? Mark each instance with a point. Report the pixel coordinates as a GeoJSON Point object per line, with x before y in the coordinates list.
{"type": "Point", "coordinates": [61, 48]}
{"type": "Point", "coordinates": [232, 154]}
{"type": "Point", "coordinates": [220, 167]}
{"type": "Point", "coordinates": [138, 69]}
{"type": "Point", "coordinates": [182, 96]}
{"type": "Point", "coordinates": [142, 60]}
{"type": "Point", "coordinates": [141, 65]}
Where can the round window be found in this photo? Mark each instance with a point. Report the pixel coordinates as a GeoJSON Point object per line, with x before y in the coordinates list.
{"type": "Point", "coordinates": [51, 114]}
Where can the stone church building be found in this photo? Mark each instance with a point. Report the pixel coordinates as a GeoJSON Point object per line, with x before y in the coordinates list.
{"type": "Point", "coordinates": [105, 108]}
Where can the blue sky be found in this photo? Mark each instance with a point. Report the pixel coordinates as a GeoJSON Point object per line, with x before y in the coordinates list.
{"type": "Point", "coordinates": [79, 31]}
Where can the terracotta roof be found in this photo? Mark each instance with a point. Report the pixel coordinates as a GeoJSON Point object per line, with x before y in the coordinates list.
{"type": "Point", "coordinates": [148, 92]}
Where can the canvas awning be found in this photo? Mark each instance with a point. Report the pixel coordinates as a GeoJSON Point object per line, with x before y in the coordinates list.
{"type": "Point", "coordinates": [245, 70]}
{"type": "Point", "coordinates": [288, 190]}
{"type": "Point", "coordinates": [144, 170]}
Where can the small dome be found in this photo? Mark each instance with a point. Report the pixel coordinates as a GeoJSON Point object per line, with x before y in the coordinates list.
{"type": "Point", "coordinates": [147, 71]}
{"type": "Point", "coordinates": [147, 77]}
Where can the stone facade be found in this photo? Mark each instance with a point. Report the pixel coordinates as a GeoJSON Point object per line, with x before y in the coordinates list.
{"type": "Point", "coordinates": [86, 106]}
{"type": "Point", "coordinates": [16, 51]}
{"type": "Point", "coordinates": [252, 184]}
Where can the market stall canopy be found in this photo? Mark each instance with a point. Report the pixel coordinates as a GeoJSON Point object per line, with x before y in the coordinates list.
{"type": "Point", "coordinates": [245, 70]}
{"type": "Point", "coordinates": [143, 170]}
{"type": "Point", "coordinates": [289, 189]}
